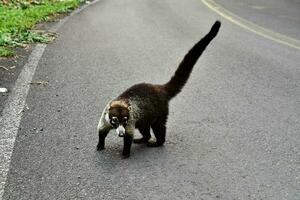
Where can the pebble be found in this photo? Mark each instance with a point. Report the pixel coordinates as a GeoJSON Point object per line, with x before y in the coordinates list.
{"type": "Point", "coordinates": [3, 90]}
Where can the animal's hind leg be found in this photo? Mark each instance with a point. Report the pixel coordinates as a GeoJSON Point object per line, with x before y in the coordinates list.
{"type": "Point", "coordinates": [159, 130]}
{"type": "Point", "coordinates": [146, 135]}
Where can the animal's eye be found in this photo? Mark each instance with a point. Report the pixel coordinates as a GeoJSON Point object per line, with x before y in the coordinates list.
{"type": "Point", "coordinates": [114, 120]}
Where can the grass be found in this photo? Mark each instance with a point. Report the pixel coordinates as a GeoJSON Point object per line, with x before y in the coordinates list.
{"type": "Point", "coordinates": [5, 52]}
{"type": "Point", "coordinates": [18, 17]}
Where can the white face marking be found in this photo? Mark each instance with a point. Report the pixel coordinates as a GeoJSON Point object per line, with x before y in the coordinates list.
{"type": "Point", "coordinates": [120, 131]}
{"type": "Point", "coordinates": [107, 117]}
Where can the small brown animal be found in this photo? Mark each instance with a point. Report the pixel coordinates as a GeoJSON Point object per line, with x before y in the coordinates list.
{"type": "Point", "coordinates": [147, 105]}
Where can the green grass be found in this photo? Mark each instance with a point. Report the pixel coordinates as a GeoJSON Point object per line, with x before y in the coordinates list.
{"type": "Point", "coordinates": [5, 52]}
{"type": "Point", "coordinates": [19, 16]}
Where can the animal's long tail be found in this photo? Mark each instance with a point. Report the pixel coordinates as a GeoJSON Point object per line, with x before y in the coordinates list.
{"type": "Point", "coordinates": [174, 86]}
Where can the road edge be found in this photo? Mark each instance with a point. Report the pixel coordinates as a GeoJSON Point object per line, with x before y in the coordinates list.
{"type": "Point", "coordinates": [12, 112]}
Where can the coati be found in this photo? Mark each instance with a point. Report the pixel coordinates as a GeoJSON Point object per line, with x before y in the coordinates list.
{"type": "Point", "coordinates": [146, 105]}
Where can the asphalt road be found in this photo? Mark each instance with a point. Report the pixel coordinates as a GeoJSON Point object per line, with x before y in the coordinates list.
{"type": "Point", "coordinates": [233, 132]}
{"type": "Point", "coordinates": [278, 15]}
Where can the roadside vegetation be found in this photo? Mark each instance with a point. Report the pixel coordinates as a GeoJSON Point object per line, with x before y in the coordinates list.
{"type": "Point", "coordinates": [18, 17]}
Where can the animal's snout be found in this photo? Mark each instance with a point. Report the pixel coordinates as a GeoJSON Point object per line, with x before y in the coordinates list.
{"type": "Point", "coordinates": [121, 131]}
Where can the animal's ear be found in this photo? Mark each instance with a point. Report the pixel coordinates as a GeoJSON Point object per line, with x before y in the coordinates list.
{"type": "Point", "coordinates": [129, 108]}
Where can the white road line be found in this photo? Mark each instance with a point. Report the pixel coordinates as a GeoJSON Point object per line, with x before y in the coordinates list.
{"type": "Point", "coordinates": [12, 112]}
{"type": "Point", "coordinates": [271, 35]}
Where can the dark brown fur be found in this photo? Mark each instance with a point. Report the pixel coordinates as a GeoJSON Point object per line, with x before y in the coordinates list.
{"type": "Point", "coordinates": [152, 100]}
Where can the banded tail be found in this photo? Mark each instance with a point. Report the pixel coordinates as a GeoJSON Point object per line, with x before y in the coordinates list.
{"type": "Point", "coordinates": [174, 86]}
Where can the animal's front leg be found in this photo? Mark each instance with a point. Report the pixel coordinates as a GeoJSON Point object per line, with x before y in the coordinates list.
{"type": "Point", "coordinates": [128, 138]}
{"type": "Point", "coordinates": [102, 136]}
{"type": "Point", "coordinates": [103, 128]}
{"type": "Point", "coordinates": [127, 145]}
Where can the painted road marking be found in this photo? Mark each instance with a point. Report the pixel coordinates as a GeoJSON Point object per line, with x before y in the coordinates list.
{"type": "Point", "coordinates": [12, 112]}
{"type": "Point", "coordinates": [277, 37]}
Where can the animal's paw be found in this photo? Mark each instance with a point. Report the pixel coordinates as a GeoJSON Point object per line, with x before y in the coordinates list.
{"type": "Point", "coordinates": [100, 148]}
{"type": "Point", "coordinates": [154, 144]}
{"type": "Point", "coordinates": [126, 156]}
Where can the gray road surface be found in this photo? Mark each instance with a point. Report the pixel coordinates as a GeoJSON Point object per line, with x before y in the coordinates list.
{"type": "Point", "coordinates": [233, 133]}
{"type": "Point", "coordinates": [278, 15]}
